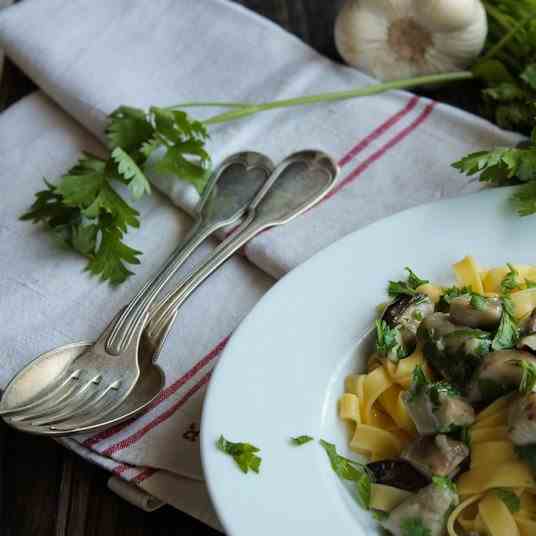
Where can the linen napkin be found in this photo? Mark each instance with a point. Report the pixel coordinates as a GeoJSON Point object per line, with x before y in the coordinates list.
{"type": "Point", "coordinates": [394, 151]}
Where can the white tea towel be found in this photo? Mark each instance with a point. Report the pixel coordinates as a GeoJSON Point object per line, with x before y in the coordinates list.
{"type": "Point", "coordinates": [394, 150]}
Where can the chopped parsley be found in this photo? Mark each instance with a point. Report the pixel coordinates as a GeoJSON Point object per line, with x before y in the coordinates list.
{"type": "Point", "coordinates": [444, 482]}
{"type": "Point", "coordinates": [508, 333]}
{"type": "Point", "coordinates": [408, 287]}
{"type": "Point", "coordinates": [528, 375]}
{"type": "Point", "coordinates": [244, 454]}
{"type": "Point", "coordinates": [478, 302]}
{"type": "Point", "coordinates": [418, 315]}
{"type": "Point", "coordinates": [509, 498]}
{"type": "Point", "coordinates": [351, 471]}
{"type": "Point", "coordinates": [510, 281]}
{"type": "Point", "coordinates": [436, 389]}
{"type": "Point", "coordinates": [380, 515]}
{"type": "Point", "coordinates": [418, 384]}
{"type": "Point", "coordinates": [413, 526]}
{"type": "Point", "coordinates": [454, 292]}
{"type": "Point", "coordinates": [301, 440]}
{"type": "Point", "coordinates": [389, 341]}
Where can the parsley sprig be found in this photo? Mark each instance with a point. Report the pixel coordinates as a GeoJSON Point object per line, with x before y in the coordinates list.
{"type": "Point", "coordinates": [85, 208]}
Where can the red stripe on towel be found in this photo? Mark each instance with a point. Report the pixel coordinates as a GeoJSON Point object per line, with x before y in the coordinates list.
{"type": "Point", "coordinates": [136, 436]}
{"type": "Point", "coordinates": [377, 132]}
{"type": "Point", "coordinates": [143, 475]}
{"type": "Point", "coordinates": [395, 140]}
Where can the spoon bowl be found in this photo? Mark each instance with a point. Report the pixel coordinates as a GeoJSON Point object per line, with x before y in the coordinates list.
{"type": "Point", "coordinates": [36, 377]}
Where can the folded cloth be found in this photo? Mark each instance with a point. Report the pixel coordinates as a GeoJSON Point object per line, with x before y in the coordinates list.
{"type": "Point", "coordinates": [394, 150]}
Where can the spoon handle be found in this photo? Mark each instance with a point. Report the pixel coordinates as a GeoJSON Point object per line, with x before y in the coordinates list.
{"type": "Point", "coordinates": [222, 204]}
{"type": "Point", "coordinates": [165, 311]}
{"type": "Point", "coordinates": [296, 185]}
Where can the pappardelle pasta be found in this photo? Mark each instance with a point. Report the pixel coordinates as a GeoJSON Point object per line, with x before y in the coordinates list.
{"type": "Point", "coordinates": [446, 414]}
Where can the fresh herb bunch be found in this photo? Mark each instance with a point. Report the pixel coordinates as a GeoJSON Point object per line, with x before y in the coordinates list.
{"type": "Point", "coordinates": [85, 209]}
{"type": "Point", "coordinates": [508, 66]}
{"type": "Point", "coordinates": [508, 70]}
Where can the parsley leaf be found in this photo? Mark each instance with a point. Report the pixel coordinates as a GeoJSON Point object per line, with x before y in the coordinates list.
{"type": "Point", "coordinates": [389, 341]}
{"type": "Point", "coordinates": [244, 454]}
{"type": "Point", "coordinates": [85, 212]}
{"type": "Point", "coordinates": [111, 255]}
{"type": "Point", "coordinates": [301, 440]}
{"type": "Point", "coordinates": [509, 498]}
{"type": "Point", "coordinates": [413, 526]}
{"type": "Point", "coordinates": [508, 333]}
{"type": "Point", "coordinates": [350, 470]}
{"type": "Point", "coordinates": [129, 129]}
{"type": "Point", "coordinates": [419, 383]}
{"type": "Point", "coordinates": [137, 182]}
{"type": "Point", "coordinates": [528, 377]}
{"type": "Point", "coordinates": [408, 287]}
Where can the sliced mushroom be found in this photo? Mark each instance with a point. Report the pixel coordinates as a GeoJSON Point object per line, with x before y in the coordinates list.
{"type": "Point", "coordinates": [498, 375]}
{"type": "Point", "coordinates": [439, 455]}
{"type": "Point", "coordinates": [527, 342]}
{"type": "Point", "coordinates": [452, 351]}
{"type": "Point", "coordinates": [522, 420]}
{"type": "Point", "coordinates": [487, 315]}
{"type": "Point", "coordinates": [428, 508]}
{"type": "Point", "coordinates": [529, 325]}
{"type": "Point", "coordinates": [438, 408]}
{"type": "Point", "coordinates": [399, 474]}
{"type": "Point", "coordinates": [528, 333]}
{"type": "Point", "coordinates": [407, 312]}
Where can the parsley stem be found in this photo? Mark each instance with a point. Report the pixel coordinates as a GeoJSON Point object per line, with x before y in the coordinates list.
{"type": "Point", "coordinates": [339, 95]}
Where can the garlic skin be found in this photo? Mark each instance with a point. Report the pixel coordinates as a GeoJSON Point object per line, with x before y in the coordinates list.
{"type": "Point", "coordinates": [397, 39]}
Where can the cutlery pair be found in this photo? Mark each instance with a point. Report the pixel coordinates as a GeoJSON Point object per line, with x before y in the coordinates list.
{"type": "Point", "coordinates": [88, 386]}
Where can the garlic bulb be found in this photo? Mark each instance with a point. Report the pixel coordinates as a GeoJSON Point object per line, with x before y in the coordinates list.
{"type": "Point", "coordinates": [393, 39]}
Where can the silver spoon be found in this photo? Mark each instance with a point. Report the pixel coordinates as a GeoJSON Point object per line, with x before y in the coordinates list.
{"type": "Point", "coordinates": [107, 370]}
{"type": "Point", "coordinates": [296, 185]}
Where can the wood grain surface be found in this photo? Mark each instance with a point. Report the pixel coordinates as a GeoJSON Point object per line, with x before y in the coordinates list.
{"type": "Point", "coordinates": [46, 490]}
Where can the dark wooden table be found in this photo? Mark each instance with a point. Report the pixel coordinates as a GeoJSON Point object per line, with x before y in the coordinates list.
{"type": "Point", "coordinates": [46, 490]}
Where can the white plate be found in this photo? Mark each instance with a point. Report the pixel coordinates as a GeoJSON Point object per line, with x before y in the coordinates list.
{"type": "Point", "coordinates": [283, 370]}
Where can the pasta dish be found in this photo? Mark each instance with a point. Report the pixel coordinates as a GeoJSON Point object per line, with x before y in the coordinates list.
{"type": "Point", "coordinates": [446, 414]}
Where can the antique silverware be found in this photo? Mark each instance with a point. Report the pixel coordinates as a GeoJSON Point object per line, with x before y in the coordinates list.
{"type": "Point", "coordinates": [105, 372]}
{"type": "Point", "coordinates": [298, 183]}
